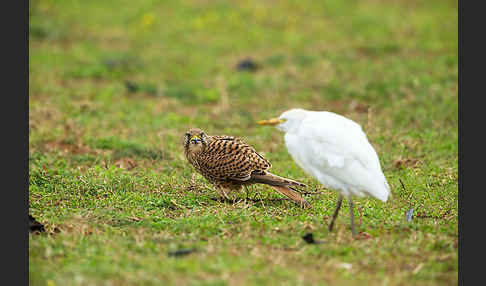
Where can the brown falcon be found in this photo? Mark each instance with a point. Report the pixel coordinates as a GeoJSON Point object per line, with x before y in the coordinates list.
{"type": "Point", "coordinates": [229, 163]}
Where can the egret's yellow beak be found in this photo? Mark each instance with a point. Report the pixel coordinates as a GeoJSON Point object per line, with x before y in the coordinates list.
{"type": "Point", "coordinates": [195, 139]}
{"type": "Point", "coordinates": [272, 121]}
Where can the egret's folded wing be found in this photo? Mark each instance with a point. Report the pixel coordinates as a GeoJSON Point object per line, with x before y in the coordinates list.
{"type": "Point", "coordinates": [338, 138]}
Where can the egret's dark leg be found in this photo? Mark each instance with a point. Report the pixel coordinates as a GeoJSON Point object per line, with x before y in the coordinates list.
{"type": "Point", "coordinates": [336, 211]}
{"type": "Point", "coordinates": [351, 213]}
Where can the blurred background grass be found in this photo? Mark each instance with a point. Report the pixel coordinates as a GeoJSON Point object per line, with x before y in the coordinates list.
{"type": "Point", "coordinates": [113, 85]}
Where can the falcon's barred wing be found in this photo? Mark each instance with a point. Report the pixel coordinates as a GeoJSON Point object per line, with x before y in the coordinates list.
{"type": "Point", "coordinates": [227, 157]}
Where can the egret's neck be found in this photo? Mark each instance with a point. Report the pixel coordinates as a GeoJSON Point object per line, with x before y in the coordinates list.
{"type": "Point", "coordinates": [290, 126]}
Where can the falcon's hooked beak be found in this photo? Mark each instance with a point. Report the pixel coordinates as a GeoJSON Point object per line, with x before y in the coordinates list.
{"type": "Point", "coordinates": [272, 121]}
{"type": "Point", "coordinates": [195, 139]}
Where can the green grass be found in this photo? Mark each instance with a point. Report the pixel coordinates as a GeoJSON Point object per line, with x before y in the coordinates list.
{"type": "Point", "coordinates": [114, 85]}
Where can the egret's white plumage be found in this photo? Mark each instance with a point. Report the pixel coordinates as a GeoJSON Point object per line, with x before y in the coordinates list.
{"type": "Point", "coordinates": [334, 150]}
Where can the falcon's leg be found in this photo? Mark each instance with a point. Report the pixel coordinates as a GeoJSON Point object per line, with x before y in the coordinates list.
{"type": "Point", "coordinates": [336, 211]}
{"type": "Point", "coordinates": [261, 198]}
{"type": "Point", "coordinates": [351, 213]}
{"type": "Point", "coordinates": [247, 194]}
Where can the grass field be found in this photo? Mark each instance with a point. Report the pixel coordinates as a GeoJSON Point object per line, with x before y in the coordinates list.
{"type": "Point", "coordinates": [114, 85]}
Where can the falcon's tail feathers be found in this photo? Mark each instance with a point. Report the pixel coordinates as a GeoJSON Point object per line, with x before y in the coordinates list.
{"type": "Point", "coordinates": [293, 195]}
{"type": "Point", "coordinates": [274, 180]}
{"type": "Point", "coordinates": [282, 185]}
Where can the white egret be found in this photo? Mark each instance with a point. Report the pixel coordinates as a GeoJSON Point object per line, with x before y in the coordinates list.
{"type": "Point", "coordinates": [334, 150]}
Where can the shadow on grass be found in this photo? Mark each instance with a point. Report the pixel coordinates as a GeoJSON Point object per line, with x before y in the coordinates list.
{"type": "Point", "coordinates": [273, 202]}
